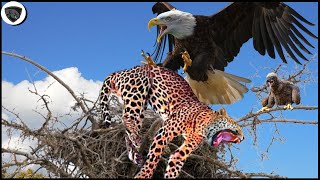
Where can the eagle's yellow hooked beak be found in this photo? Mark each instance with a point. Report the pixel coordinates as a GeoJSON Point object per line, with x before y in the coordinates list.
{"type": "Point", "coordinates": [154, 22]}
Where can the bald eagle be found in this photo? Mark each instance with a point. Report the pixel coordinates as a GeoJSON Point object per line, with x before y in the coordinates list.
{"type": "Point", "coordinates": [213, 41]}
{"type": "Point", "coordinates": [281, 93]}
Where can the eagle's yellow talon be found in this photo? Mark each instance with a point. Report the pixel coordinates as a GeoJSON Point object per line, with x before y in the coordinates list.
{"type": "Point", "coordinates": [187, 60]}
{"type": "Point", "coordinates": [288, 106]}
{"type": "Point", "coordinates": [263, 109]}
{"type": "Point", "coordinates": [148, 59]}
{"type": "Point", "coordinates": [143, 62]}
{"type": "Point", "coordinates": [184, 68]}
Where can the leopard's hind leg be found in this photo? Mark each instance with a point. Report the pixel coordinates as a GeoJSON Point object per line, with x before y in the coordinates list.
{"type": "Point", "coordinates": [135, 97]}
{"type": "Point", "coordinates": [132, 118]}
{"type": "Point", "coordinates": [132, 86]}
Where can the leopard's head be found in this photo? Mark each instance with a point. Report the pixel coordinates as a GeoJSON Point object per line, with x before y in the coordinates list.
{"type": "Point", "coordinates": [223, 129]}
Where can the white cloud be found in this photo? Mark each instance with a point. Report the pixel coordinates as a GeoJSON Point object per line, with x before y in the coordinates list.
{"type": "Point", "coordinates": [16, 143]}
{"type": "Point", "coordinates": [4, 115]}
{"type": "Point", "coordinates": [17, 98]}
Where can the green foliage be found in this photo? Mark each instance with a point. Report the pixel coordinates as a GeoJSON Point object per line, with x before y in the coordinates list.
{"type": "Point", "coordinates": [3, 173]}
{"type": "Point", "coordinates": [29, 173]}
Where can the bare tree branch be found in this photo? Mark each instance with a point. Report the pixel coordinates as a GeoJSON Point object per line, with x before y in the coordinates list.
{"type": "Point", "coordinates": [250, 114]}
{"type": "Point", "coordinates": [13, 151]}
{"type": "Point", "coordinates": [281, 121]}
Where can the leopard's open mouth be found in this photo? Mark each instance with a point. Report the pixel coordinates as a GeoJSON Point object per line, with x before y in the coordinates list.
{"type": "Point", "coordinates": [225, 136]}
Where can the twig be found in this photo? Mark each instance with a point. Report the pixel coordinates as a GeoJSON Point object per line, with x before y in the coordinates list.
{"type": "Point", "coordinates": [292, 78]}
{"type": "Point", "coordinates": [220, 164]}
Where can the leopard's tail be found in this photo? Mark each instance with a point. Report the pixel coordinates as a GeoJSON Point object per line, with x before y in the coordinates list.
{"type": "Point", "coordinates": [104, 98]}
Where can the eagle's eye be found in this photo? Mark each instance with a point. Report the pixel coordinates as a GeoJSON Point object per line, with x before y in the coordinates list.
{"type": "Point", "coordinates": [168, 18]}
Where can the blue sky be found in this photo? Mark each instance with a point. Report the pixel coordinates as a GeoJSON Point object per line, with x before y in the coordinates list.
{"type": "Point", "coordinates": [100, 38]}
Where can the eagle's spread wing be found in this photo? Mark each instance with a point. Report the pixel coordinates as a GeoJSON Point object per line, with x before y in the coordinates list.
{"type": "Point", "coordinates": [271, 24]}
{"type": "Point", "coordinates": [159, 8]}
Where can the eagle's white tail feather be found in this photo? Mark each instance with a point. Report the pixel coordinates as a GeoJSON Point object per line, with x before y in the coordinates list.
{"type": "Point", "coordinates": [237, 78]}
{"type": "Point", "coordinates": [221, 88]}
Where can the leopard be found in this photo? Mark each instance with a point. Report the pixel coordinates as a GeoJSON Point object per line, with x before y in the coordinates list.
{"type": "Point", "coordinates": [169, 95]}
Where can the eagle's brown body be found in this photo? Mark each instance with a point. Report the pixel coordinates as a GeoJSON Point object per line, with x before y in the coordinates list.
{"type": "Point", "coordinates": [282, 93]}
{"type": "Point", "coordinates": [206, 57]}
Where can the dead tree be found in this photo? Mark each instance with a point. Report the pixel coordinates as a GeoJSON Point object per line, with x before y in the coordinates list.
{"type": "Point", "coordinates": [85, 149]}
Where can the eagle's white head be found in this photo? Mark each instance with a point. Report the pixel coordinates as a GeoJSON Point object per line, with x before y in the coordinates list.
{"type": "Point", "coordinates": [272, 74]}
{"type": "Point", "coordinates": [177, 23]}
{"type": "Point", "coordinates": [272, 80]}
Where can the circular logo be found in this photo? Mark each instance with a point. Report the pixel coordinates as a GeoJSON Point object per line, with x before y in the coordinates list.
{"type": "Point", "coordinates": [13, 13]}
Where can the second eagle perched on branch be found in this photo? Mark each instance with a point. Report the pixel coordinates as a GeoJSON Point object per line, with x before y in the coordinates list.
{"type": "Point", "coordinates": [213, 42]}
{"type": "Point", "coordinates": [281, 93]}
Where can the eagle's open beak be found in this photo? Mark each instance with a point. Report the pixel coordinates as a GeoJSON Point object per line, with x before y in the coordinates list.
{"type": "Point", "coordinates": [154, 22]}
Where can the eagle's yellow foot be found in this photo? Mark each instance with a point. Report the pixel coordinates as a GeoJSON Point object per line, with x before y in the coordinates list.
{"type": "Point", "coordinates": [148, 59]}
{"type": "Point", "coordinates": [187, 60]}
{"type": "Point", "coordinates": [288, 106]}
{"type": "Point", "coordinates": [263, 109]}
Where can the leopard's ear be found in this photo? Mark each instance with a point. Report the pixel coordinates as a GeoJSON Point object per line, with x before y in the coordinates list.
{"type": "Point", "coordinates": [222, 111]}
